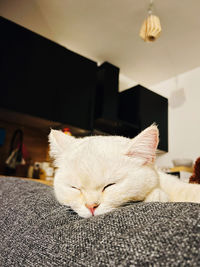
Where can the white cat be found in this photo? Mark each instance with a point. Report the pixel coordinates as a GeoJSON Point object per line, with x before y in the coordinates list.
{"type": "Point", "coordinates": [100, 173]}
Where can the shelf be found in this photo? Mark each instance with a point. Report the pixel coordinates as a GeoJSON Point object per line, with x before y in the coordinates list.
{"type": "Point", "coordinates": [38, 123]}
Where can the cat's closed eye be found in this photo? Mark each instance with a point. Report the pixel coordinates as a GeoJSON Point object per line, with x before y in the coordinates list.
{"type": "Point", "coordinates": [75, 188]}
{"type": "Point", "coordinates": [107, 186]}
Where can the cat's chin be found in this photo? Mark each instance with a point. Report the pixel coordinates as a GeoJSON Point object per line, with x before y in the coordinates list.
{"type": "Point", "coordinates": [87, 214]}
{"type": "Point", "coordinates": [83, 213]}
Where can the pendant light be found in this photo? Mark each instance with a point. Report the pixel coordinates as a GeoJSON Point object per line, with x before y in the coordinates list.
{"type": "Point", "coordinates": [151, 27]}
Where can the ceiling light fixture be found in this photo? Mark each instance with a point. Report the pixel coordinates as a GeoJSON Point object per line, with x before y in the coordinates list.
{"type": "Point", "coordinates": [151, 27]}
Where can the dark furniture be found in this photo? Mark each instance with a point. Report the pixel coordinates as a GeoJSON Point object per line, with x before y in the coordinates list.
{"type": "Point", "coordinates": [36, 231]}
{"type": "Point", "coordinates": [107, 92]}
{"type": "Point", "coordinates": [142, 107]}
{"type": "Point", "coordinates": [129, 112]}
{"type": "Point", "coordinates": [42, 78]}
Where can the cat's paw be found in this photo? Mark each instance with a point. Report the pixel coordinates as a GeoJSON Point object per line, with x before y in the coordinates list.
{"type": "Point", "coordinates": [157, 195]}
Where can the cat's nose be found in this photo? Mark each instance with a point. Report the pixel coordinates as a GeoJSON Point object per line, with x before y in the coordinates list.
{"type": "Point", "coordinates": [92, 207]}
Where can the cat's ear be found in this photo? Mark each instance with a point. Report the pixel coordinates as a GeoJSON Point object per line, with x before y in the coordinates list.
{"type": "Point", "coordinates": [144, 145]}
{"type": "Point", "coordinates": [59, 142]}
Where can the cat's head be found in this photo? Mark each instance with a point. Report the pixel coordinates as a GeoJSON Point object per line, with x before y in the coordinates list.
{"type": "Point", "coordinates": [100, 173]}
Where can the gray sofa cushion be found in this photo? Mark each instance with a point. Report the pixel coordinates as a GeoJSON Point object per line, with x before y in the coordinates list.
{"type": "Point", "coordinates": [36, 231]}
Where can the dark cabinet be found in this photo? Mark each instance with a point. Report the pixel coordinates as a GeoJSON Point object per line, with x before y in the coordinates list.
{"type": "Point", "coordinates": [107, 104]}
{"type": "Point", "coordinates": [107, 91]}
{"type": "Point", "coordinates": [44, 79]}
{"type": "Point", "coordinates": [106, 101]}
{"type": "Point", "coordinates": [142, 107]}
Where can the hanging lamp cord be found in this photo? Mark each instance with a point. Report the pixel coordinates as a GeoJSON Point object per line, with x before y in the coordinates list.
{"type": "Point", "coordinates": [150, 9]}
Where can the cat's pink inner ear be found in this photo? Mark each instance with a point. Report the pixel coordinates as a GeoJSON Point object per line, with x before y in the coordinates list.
{"type": "Point", "coordinates": [145, 144]}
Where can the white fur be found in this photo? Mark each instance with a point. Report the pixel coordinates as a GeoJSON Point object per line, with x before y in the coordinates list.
{"type": "Point", "coordinates": [91, 163]}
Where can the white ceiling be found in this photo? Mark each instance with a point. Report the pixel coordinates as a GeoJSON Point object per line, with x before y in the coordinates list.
{"type": "Point", "coordinates": [107, 30]}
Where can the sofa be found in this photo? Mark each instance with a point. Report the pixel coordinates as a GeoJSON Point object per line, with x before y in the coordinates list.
{"type": "Point", "coordinates": [35, 230]}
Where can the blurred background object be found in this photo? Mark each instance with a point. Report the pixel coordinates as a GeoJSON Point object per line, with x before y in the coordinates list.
{"type": "Point", "coordinates": [195, 178]}
{"type": "Point", "coordinates": [2, 136]}
{"type": "Point", "coordinates": [182, 162]}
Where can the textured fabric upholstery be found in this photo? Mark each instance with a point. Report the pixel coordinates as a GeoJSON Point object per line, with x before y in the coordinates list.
{"type": "Point", "coordinates": [36, 231]}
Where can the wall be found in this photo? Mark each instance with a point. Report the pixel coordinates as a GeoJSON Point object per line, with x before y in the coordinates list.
{"type": "Point", "coordinates": [184, 119]}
